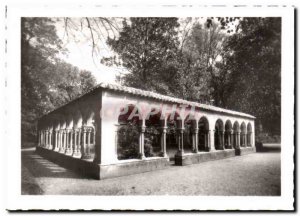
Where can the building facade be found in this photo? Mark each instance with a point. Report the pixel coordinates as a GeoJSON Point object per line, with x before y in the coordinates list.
{"type": "Point", "coordinates": [113, 131]}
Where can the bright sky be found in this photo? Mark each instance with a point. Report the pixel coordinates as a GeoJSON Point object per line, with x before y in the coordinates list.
{"type": "Point", "coordinates": [80, 54]}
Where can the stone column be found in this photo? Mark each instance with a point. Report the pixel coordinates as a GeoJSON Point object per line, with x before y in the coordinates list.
{"type": "Point", "coordinates": [56, 148]}
{"type": "Point", "coordinates": [230, 136]}
{"type": "Point", "coordinates": [61, 145]}
{"type": "Point", "coordinates": [222, 140]}
{"type": "Point", "coordinates": [71, 141]}
{"type": "Point", "coordinates": [41, 138]}
{"type": "Point", "coordinates": [46, 139]}
{"type": "Point", "coordinates": [180, 142]}
{"type": "Point", "coordinates": [50, 140]}
{"type": "Point", "coordinates": [195, 140]}
{"type": "Point", "coordinates": [64, 140]}
{"type": "Point", "coordinates": [39, 135]}
{"type": "Point", "coordinates": [87, 135]}
{"type": "Point", "coordinates": [211, 142]}
{"type": "Point", "coordinates": [83, 142]}
{"type": "Point", "coordinates": [75, 132]}
{"type": "Point", "coordinates": [77, 143]}
{"type": "Point", "coordinates": [164, 142]}
{"type": "Point", "coordinates": [238, 140]}
{"type": "Point", "coordinates": [241, 139]}
{"type": "Point", "coordinates": [141, 142]}
{"type": "Point", "coordinates": [67, 149]}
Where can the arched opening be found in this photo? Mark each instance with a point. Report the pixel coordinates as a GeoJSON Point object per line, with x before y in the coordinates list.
{"type": "Point", "coordinates": [243, 135]}
{"type": "Point", "coordinates": [152, 144]}
{"type": "Point", "coordinates": [128, 133]}
{"type": "Point", "coordinates": [203, 143]}
{"type": "Point", "coordinates": [219, 135]}
{"type": "Point", "coordinates": [228, 135]}
{"type": "Point", "coordinates": [236, 130]}
{"type": "Point", "coordinates": [174, 123]}
{"type": "Point", "coordinates": [189, 134]}
{"type": "Point", "coordinates": [249, 135]}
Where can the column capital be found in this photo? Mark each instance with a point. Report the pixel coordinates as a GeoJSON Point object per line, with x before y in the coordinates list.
{"type": "Point", "coordinates": [84, 129]}
{"type": "Point", "coordinates": [142, 129]}
{"type": "Point", "coordinates": [164, 129]}
{"type": "Point", "coordinates": [195, 130]}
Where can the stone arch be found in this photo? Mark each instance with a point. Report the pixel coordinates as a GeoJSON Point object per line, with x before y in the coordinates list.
{"type": "Point", "coordinates": [249, 135]}
{"type": "Point", "coordinates": [219, 135]}
{"type": "Point", "coordinates": [78, 119]}
{"type": "Point", "coordinates": [88, 151]}
{"type": "Point", "coordinates": [69, 122]}
{"type": "Point", "coordinates": [203, 134]}
{"type": "Point", "coordinates": [174, 124]}
{"type": "Point", "coordinates": [62, 123]}
{"type": "Point", "coordinates": [228, 135]}
{"type": "Point", "coordinates": [190, 125]}
{"type": "Point", "coordinates": [90, 118]}
{"type": "Point", "coordinates": [154, 122]}
{"type": "Point", "coordinates": [128, 132]}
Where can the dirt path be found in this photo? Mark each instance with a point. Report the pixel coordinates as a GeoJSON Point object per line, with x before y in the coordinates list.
{"type": "Point", "coordinates": [253, 174]}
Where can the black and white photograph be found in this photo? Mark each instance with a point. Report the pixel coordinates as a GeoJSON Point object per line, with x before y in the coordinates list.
{"type": "Point", "coordinates": [179, 104]}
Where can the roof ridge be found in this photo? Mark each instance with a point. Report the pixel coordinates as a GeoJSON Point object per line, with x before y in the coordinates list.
{"type": "Point", "coordinates": [155, 95]}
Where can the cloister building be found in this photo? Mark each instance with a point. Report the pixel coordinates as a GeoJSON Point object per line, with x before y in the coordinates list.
{"type": "Point", "coordinates": [114, 130]}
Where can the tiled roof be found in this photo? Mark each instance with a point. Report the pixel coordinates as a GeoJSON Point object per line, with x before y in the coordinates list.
{"type": "Point", "coordinates": [153, 95]}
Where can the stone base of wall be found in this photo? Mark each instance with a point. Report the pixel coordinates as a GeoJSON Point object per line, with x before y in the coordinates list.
{"type": "Point", "coordinates": [132, 167]}
{"type": "Point", "coordinates": [83, 167]}
{"type": "Point", "coordinates": [98, 171]}
{"type": "Point", "coordinates": [188, 159]}
{"type": "Point", "coordinates": [244, 151]}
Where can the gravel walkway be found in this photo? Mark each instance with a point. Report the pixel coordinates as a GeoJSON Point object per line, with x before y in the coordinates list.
{"type": "Point", "coordinates": [253, 174]}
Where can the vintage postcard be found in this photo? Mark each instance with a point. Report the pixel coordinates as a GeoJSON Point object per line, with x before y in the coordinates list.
{"type": "Point", "coordinates": [178, 107]}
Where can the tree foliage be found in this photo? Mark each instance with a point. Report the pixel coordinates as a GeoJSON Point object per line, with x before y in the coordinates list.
{"type": "Point", "coordinates": [147, 47]}
{"type": "Point", "coordinates": [46, 81]}
{"type": "Point", "coordinates": [253, 60]}
{"type": "Point", "coordinates": [232, 61]}
{"type": "Point", "coordinates": [198, 58]}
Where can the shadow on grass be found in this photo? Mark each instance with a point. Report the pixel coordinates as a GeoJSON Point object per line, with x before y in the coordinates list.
{"type": "Point", "coordinates": [40, 167]}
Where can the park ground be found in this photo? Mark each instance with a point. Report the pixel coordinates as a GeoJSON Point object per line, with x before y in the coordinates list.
{"type": "Point", "coordinates": [256, 174]}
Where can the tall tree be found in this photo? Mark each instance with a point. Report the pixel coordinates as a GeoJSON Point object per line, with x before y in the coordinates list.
{"type": "Point", "coordinates": [253, 59]}
{"type": "Point", "coordinates": [198, 57]}
{"type": "Point", "coordinates": [147, 48]}
{"type": "Point", "coordinates": [46, 81]}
